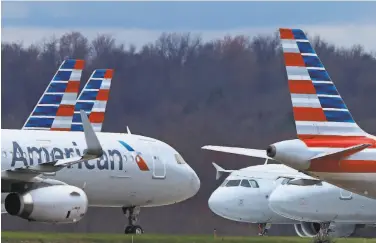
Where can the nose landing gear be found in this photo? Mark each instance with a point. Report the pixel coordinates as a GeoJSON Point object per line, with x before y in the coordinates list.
{"type": "Point", "coordinates": [132, 213]}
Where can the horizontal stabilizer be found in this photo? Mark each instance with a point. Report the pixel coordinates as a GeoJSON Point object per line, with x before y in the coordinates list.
{"type": "Point", "coordinates": [220, 171]}
{"type": "Point", "coordinates": [257, 153]}
{"type": "Point", "coordinates": [341, 153]}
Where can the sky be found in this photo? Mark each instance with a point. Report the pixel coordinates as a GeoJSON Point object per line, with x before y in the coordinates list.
{"type": "Point", "coordinates": [138, 23]}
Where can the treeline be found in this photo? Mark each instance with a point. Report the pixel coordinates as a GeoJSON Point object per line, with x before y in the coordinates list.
{"type": "Point", "coordinates": [189, 93]}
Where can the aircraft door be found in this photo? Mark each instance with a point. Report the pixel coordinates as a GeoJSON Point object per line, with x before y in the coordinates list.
{"type": "Point", "coordinates": [345, 195]}
{"type": "Point", "coordinates": [159, 166]}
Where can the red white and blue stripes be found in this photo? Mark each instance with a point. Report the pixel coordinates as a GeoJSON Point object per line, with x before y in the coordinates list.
{"type": "Point", "coordinates": [93, 100]}
{"type": "Point", "coordinates": [323, 121]}
{"type": "Point", "coordinates": [318, 108]}
{"type": "Point", "coordinates": [54, 110]}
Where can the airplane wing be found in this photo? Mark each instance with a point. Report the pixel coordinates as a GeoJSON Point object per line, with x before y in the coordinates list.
{"type": "Point", "coordinates": [94, 151]}
{"type": "Point", "coordinates": [341, 153]}
{"type": "Point", "coordinates": [220, 171]}
{"type": "Point", "coordinates": [257, 153]}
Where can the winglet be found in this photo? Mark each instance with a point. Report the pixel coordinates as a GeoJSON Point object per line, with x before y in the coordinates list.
{"type": "Point", "coordinates": [94, 148]}
{"type": "Point", "coordinates": [93, 145]}
{"type": "Point", "coordinates": [220, 171]}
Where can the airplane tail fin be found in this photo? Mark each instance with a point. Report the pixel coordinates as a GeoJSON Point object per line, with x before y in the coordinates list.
{"type": "Point", "coordinates": [54, 110]}
{"type": "Point", "coordinates": [319, 110]}
{"type": "Point", "coordinates": [93, 100]}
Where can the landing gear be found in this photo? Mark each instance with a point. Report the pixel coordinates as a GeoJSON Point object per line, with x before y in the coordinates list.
{"type": "Point", "coordinates": [324, 229]}
{"type": "Point", "coordinates": [132, 214]}
{"type": "Point", "coordinates": [263, 228]}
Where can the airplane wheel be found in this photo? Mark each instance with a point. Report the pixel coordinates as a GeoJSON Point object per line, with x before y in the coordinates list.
{"type": "Point", "coordinates": [137, 230]}
{"type": "Point", "coordinates": [127, 230]}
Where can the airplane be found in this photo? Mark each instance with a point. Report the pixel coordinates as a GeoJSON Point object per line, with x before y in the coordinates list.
{"type": "Point", "coordinates": [252, 194]}
{"type": "Point", "coordinates": [53, 175]}
{"type": "Point", "coordinates": [348, 211]}
{"type": "Point", "coordinates": [89, 99]}
{"type": "Point", "coordinates": [330, 146]}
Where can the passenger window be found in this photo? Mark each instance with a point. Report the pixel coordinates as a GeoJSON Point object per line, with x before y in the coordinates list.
{"type": "Point", "coordinates": [131, 158]}
{"type": "Point", "coordinates": [233, 183]}
{"type": "Point", "coordinates": [245, 183]}
{"type": "Point", "coordinates": [254, 183]}
{"type": "Point", "coordinates": [125, 157]}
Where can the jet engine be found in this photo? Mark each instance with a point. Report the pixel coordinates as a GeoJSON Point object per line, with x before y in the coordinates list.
{"type": "Point", "coordinates": [310, 229]}
{"type": "Point", "coordinates": [52, 204]}
{"type": "Point", "coordinates": [293, 153]}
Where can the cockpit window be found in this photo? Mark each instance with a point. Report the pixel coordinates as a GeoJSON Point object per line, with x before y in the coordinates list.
{"type": "Point", "coordinates": [302, 182]}
{"type": "Point", "coordinates": [233, 183]}
{"type": "Point", "coordinates": [254, 183]}
{"type": "Point", "coordinates": [245, 183]}
{"type": "Point", "coordinates": [286, 180]}
{"type": "Point", "coordinates": [224, 183]}
{"type": "Point", "coordinates": [179, 159]}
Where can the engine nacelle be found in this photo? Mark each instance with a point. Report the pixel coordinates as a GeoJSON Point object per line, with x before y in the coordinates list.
{"type": "Point", "coordinates": [52, 204]}
{"type": "Point", "coordinates": [309, 229]}
{"type": "Point", "coordinates": [293, 153]}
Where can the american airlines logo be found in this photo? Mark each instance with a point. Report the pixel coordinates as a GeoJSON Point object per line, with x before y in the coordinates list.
{"type": "Point", "coordinates": [28, 156]}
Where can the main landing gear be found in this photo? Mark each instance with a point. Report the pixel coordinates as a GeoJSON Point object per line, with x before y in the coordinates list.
{"type": "Point", "coordinates": [264, 228]}
{"type": "Point", "coordinates": [324, 229]}
{"type": "Point", "coordinates": [132, 214]}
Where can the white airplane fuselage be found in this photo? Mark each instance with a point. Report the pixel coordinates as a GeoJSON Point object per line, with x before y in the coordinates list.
{"type": "Point", "coordinates": [250, 204]}
{"type": "Point", "coordinates": [354, 173]}
{"type": "Point", "coordinates": [278, 203]}
{"type": "Point", "coordinates": [112, 181]}
{"type": "Point", "coordinates": [322, 203]}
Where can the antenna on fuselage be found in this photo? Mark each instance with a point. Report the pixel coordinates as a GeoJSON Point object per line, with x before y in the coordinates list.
{"type": "Point", "coordinates": [128, 131]}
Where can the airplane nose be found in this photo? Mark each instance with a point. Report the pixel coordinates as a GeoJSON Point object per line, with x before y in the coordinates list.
{"type": "Point", "coordinates": [281, 203]}
{"type": "Point", "coordinates": [195, 182]}
{"type": "Point", "coordinates": [215, 202]}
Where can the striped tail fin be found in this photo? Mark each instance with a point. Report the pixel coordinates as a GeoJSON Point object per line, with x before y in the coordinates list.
{"type": "Point", "coordinates": [319, 110]}
{"type": "Point", "coordinates": [54, 110]}
{"type": "Point", "coordinates": [93, 100]}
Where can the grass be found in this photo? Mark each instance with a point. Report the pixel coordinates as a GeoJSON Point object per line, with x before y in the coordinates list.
{"type": "Point", "coordinates": [34, 237]}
